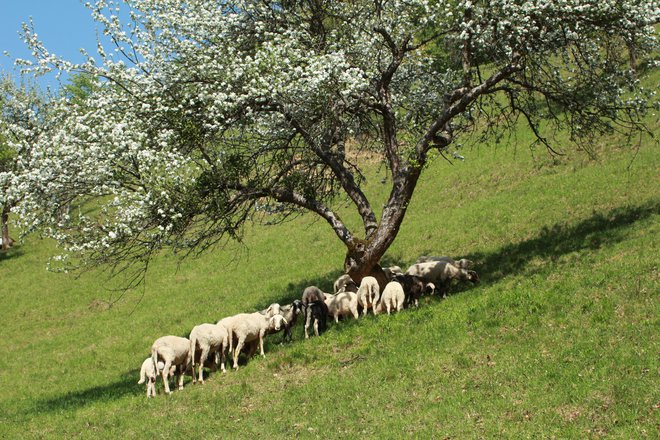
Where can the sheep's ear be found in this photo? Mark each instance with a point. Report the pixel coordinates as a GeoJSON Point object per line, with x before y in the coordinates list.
{"type": "Point", "coordinates": [285, 321]}
{"type": "Point", "coordinates": [268, 310]}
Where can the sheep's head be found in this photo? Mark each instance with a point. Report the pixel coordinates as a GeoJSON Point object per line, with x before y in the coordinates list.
{"type": "Point", "coordinates": [276, 323]}
{"type": "Point", "coordinates": [473, 277]}
{"type": "Point", "coordinates": [297, 306]}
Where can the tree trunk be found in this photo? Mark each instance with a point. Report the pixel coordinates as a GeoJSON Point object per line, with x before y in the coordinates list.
{"type": "Point", "coordinates": [363, 256]}
{"type": "Point", "coordinates": [632, 55]}
{"type": "Point", "coordinates": [6, 241]}
{"type": "Point", "coordinates": [358, 265]}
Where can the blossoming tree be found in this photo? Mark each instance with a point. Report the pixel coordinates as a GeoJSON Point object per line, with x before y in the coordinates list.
{"type": "Point", "coordinates": [21, 122]}
{"type": "Point", "coordinates": [209, 114]}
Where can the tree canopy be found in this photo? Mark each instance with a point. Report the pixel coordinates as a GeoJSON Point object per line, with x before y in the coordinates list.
{"type": "Point", "coordinates": [209, 114]}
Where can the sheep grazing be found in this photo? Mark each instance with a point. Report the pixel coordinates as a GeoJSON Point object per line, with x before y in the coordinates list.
{"type": "Point", "coordinates": [392, 271]}
{"type": "Point", "coordinates": [342, 304]}
{"type": "Point", "coordinates": [249, 328]}
{"type": "Point", "coordinates": [413, 288]}
{"type": "Point", "coordinates": [316, 314]}
{"type": "Point", "coordinates": [368, 294]}
{"type": "Point", "coordinates": [173, 351]}
{"type": "Point", "coordinates": [463, 263]}
{"type": "Point", "coordinates": [208, 339]}
{"type": "Point", "coordinates": [345, 284]}
{"type": "Point", "coordinates": [441, 274]}
{"type": "Point", "coordinates": [392, 298]}
{"type": "Point", "coordinates": [148, 374]}
{"type": "Point", "coordinates": [312, 293]}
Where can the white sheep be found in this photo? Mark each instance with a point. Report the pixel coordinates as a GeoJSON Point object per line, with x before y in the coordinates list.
{"type": "Point", "coordinates": [368, 294]}
{"type": "Point", "coordinates": [341, 304]}
{"type": "Point", "coordinates": [149, 374]}
{"type": "Point", "coordinates": [392, 298]}
{"type": "Point", "coordinates": [344, 284]}
{"type": "Point", "coordinates": [174, 351]}
{"type": "Point", "coordinates": [208, 339]}
{"type": "Point", "coordinates": [249, 328]}
{"type": "Point", "coordinates": [441, 274]}
{"type": "Point", "coordinates": [463, 263]}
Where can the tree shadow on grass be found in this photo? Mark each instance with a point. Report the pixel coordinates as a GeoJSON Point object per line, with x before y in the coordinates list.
{"type": "Point", "coordinates": [597, 231]}
{"type": "Point", "coordinates": [294, 290]}
{"type": "Point", "coordinates": [11, 253]}
{"type": "Point", "coordinates": [124, 386]}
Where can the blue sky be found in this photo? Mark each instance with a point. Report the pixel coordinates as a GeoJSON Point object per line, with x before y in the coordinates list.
{"type": "Point", "coordinates": [63, 25]}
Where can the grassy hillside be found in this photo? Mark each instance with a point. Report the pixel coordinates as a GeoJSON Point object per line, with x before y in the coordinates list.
{"type": "Point", "coordinates": [559, 340]}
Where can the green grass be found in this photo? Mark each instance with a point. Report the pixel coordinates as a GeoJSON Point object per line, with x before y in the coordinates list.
{"type": "Point", "coordinates": [560, 339]}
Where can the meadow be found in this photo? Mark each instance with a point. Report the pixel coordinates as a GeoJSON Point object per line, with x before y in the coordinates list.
{"type": "Point", "coordinates": [559, 340]}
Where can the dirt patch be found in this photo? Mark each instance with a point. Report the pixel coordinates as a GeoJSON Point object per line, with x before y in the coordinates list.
{"type": "Point", "coordinates": [99, 305]}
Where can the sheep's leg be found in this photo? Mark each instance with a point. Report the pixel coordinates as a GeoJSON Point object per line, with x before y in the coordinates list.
{"type": "Point", "coordinates": [336, 318]}
{"type": "Point", "coordinates": [180, 374]}
{"type": "Point", "coordinates": [316, 327]}
{"type": "Point", "coordinates": [261, 344]}
{"type": "Point", "coordinates": [308, 319]}
{"type": "Point", "coordinates": [237, 351]}
{"type": "Point", "coordinates": [222, 358]}
{"type": "Point", "coordinates": [165, 374]}
{"type": "Point", "coordinates": [202, 359]}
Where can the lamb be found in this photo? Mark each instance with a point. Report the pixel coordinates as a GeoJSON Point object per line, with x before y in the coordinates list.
{"type": "Point", "coordinates": [316, 311]}
{"type": "Point", "coordinates": [341, 304]}
{"type": "Point", "coordinates": [463, 263]}
{"type": "Point", "coordinates": [148, 374]}
{"type": "Point", "coordinates": [208, 339]}
{"type": "Point", "coordinates": [345, 284]}
{"type": "Point", "coordinates": [368, 294]}
{"type": "Point", "coordinates": [413, 288]}
{"type": "Point", "coordinates": [290, 314]}
{"type": "Point", "coordinates": [174, 351]}
{"type": "Point", "coordinates": [441, 273]}
{"type": "Point", "coordinates": [392, 298]}
{"type": "Point", "coordinates": [316, 314]}
{"type": "Point", "coordinates": [249, 328]}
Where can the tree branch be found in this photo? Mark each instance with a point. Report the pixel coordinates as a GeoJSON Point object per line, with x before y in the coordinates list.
{"type": "Point", "coordinates": [460, 100]}
{"type": "Point", "coordinates": [345, 177]}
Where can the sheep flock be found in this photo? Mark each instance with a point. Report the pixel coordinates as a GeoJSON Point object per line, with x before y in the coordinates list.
{"type": "Point", "coordinates": [209, 345]}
